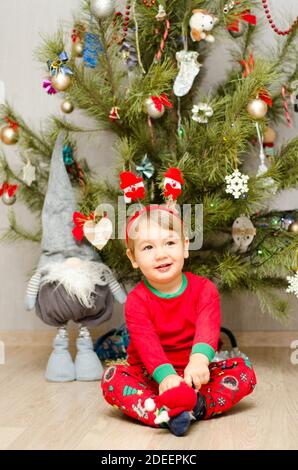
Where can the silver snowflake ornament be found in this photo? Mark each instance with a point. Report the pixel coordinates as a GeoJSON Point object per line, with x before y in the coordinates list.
{"type": "Point", "coordinates": [201, 113]}
{"type": "Point", "coordinates": [237, 184]}
{"type": "Point", "coordinates": [293, 284]}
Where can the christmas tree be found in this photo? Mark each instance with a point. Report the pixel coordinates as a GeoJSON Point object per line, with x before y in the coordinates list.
{"type": "Point", "coordinates": [138, 73]}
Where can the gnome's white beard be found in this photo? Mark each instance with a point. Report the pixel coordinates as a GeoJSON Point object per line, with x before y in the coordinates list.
{"type": "Point", "coordinates": [78, 278]}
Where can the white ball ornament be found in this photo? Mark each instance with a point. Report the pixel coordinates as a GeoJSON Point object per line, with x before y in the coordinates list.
{"type": "Point", "coordinates": [8, 200]}
{"type": "Point", "coordinates": [257, 108]}
{"type": "Point", "coordinates": [102, 8]}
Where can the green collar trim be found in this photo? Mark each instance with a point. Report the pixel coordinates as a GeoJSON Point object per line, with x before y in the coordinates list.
{"type": "Point", "coordinates": [168, 296]}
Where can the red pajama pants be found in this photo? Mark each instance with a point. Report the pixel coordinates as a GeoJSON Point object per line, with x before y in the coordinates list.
{"type": "Point", "coordinates": [127, 388]}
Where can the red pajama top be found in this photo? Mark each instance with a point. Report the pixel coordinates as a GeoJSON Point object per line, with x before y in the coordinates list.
{"type": "Point", "coordinates": [165, 329]}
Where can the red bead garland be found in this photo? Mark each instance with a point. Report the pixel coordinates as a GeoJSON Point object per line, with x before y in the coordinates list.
{"type": "Point", "coordinates": [149, 3]}
{"type": "Point", "coordinates": [273, 26]}
{"type": "Point", "coordinates": [126, 16]}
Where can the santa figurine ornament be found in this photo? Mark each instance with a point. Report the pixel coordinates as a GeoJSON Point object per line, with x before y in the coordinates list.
{"type": "Point", "coordinates": [132, 186]}
{"type": "Point", "coordinates": [172, 184]}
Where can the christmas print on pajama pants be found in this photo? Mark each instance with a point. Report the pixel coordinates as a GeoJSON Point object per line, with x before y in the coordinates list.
{"type": "Point", "coordinates": [127, 387]}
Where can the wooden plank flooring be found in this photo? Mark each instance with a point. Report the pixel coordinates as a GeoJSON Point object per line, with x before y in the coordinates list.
{"type": "Point", "coordinates": [35, 414]}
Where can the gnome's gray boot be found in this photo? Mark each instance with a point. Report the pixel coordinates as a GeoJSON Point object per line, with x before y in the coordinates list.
{"type": "Point", "coordinates": [60, 367]}
{"type": "Point", "coordinates": [87, 363]}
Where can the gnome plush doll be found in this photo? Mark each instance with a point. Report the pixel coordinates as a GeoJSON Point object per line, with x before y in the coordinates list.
{"type": "Point", "coordinates": [70, 282]}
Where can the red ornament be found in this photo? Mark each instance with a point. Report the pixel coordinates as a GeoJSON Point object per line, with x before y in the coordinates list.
{"type": "Point", "coordinates": [114, 115]}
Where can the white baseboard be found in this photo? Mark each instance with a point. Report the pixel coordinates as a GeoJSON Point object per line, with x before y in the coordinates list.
{"type": "Point", "coordinates": [244, 338]}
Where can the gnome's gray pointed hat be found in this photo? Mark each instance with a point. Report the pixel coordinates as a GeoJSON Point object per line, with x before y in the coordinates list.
{"type": "Point", "coordinates": [58, 243]}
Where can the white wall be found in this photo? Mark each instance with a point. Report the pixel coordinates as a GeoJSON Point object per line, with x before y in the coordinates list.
{"type": "Point", "coordinates": [21, 23]}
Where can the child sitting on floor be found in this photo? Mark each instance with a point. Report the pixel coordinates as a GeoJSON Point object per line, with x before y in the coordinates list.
{"type": "Point", "coordinates": [173, 320]}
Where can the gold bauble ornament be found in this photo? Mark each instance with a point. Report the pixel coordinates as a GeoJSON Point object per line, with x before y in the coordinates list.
{"type": "Point", "coordinates": [67, 106]}
{"type": "Point", "coordinates": [293, 227]}
{"type": "Point", "coordinates": [61, 81]}
{"type": "Point", "coordinates": [151, 109]}
{"type": "Point", "coordinates": [9, 135]}
{"type": "Point", "coordinates": [269, 135]}
{"type": "Point", "coordinates": [8, 200]}
{"type": "Point", "coordinates": [257, 108]}
{"type": "Point", "coordinates": [78, 49]}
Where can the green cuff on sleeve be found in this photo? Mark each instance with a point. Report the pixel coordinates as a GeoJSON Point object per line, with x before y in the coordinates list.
{"type": "Point", "coordinates": [204, 348]}
{"type": "Point", "coordinates": [161, 372]}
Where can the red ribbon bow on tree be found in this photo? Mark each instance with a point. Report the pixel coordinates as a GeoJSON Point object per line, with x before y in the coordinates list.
{"type": "Point", "coordinates": [10, 189]}
{"type": "Point", "coordinates": [11, 123]}
{"type": "Point", "coordinates": [264, 95]}
{"type": "Point", "coordinates": [161, 100]}
{"type": "Point", "coordinates": [79, 221]}
{"type": "Point", "coordinates": [244, 16]}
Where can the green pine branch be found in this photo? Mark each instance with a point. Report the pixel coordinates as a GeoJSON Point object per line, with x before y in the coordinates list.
{"type": "Point", "coordinates": [16, 232]}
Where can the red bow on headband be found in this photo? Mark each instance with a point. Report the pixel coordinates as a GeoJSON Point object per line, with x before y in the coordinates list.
{"type": "Point", "coordinates": [161, 100]}
{"type": "Point", "coordinates": [8, 188]}
{"type": "Point", "coordinates": [79, 221]}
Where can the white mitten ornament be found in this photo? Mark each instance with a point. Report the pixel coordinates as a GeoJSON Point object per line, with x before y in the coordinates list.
{"type": "Point", "coordinates": [188, 70]}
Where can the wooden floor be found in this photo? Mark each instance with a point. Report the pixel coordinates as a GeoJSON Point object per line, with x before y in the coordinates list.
{"type": "Point", "coordinates": [35, 414]}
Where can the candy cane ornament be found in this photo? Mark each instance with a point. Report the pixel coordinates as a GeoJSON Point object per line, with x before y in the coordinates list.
{"type": "Point", "coordinates": [161, 16]}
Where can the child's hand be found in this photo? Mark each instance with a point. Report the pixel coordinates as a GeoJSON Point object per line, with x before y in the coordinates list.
{"type": "Point", "coordinates": [168, 382]}
{"type": "Point", "coordinates": [197, 372]}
